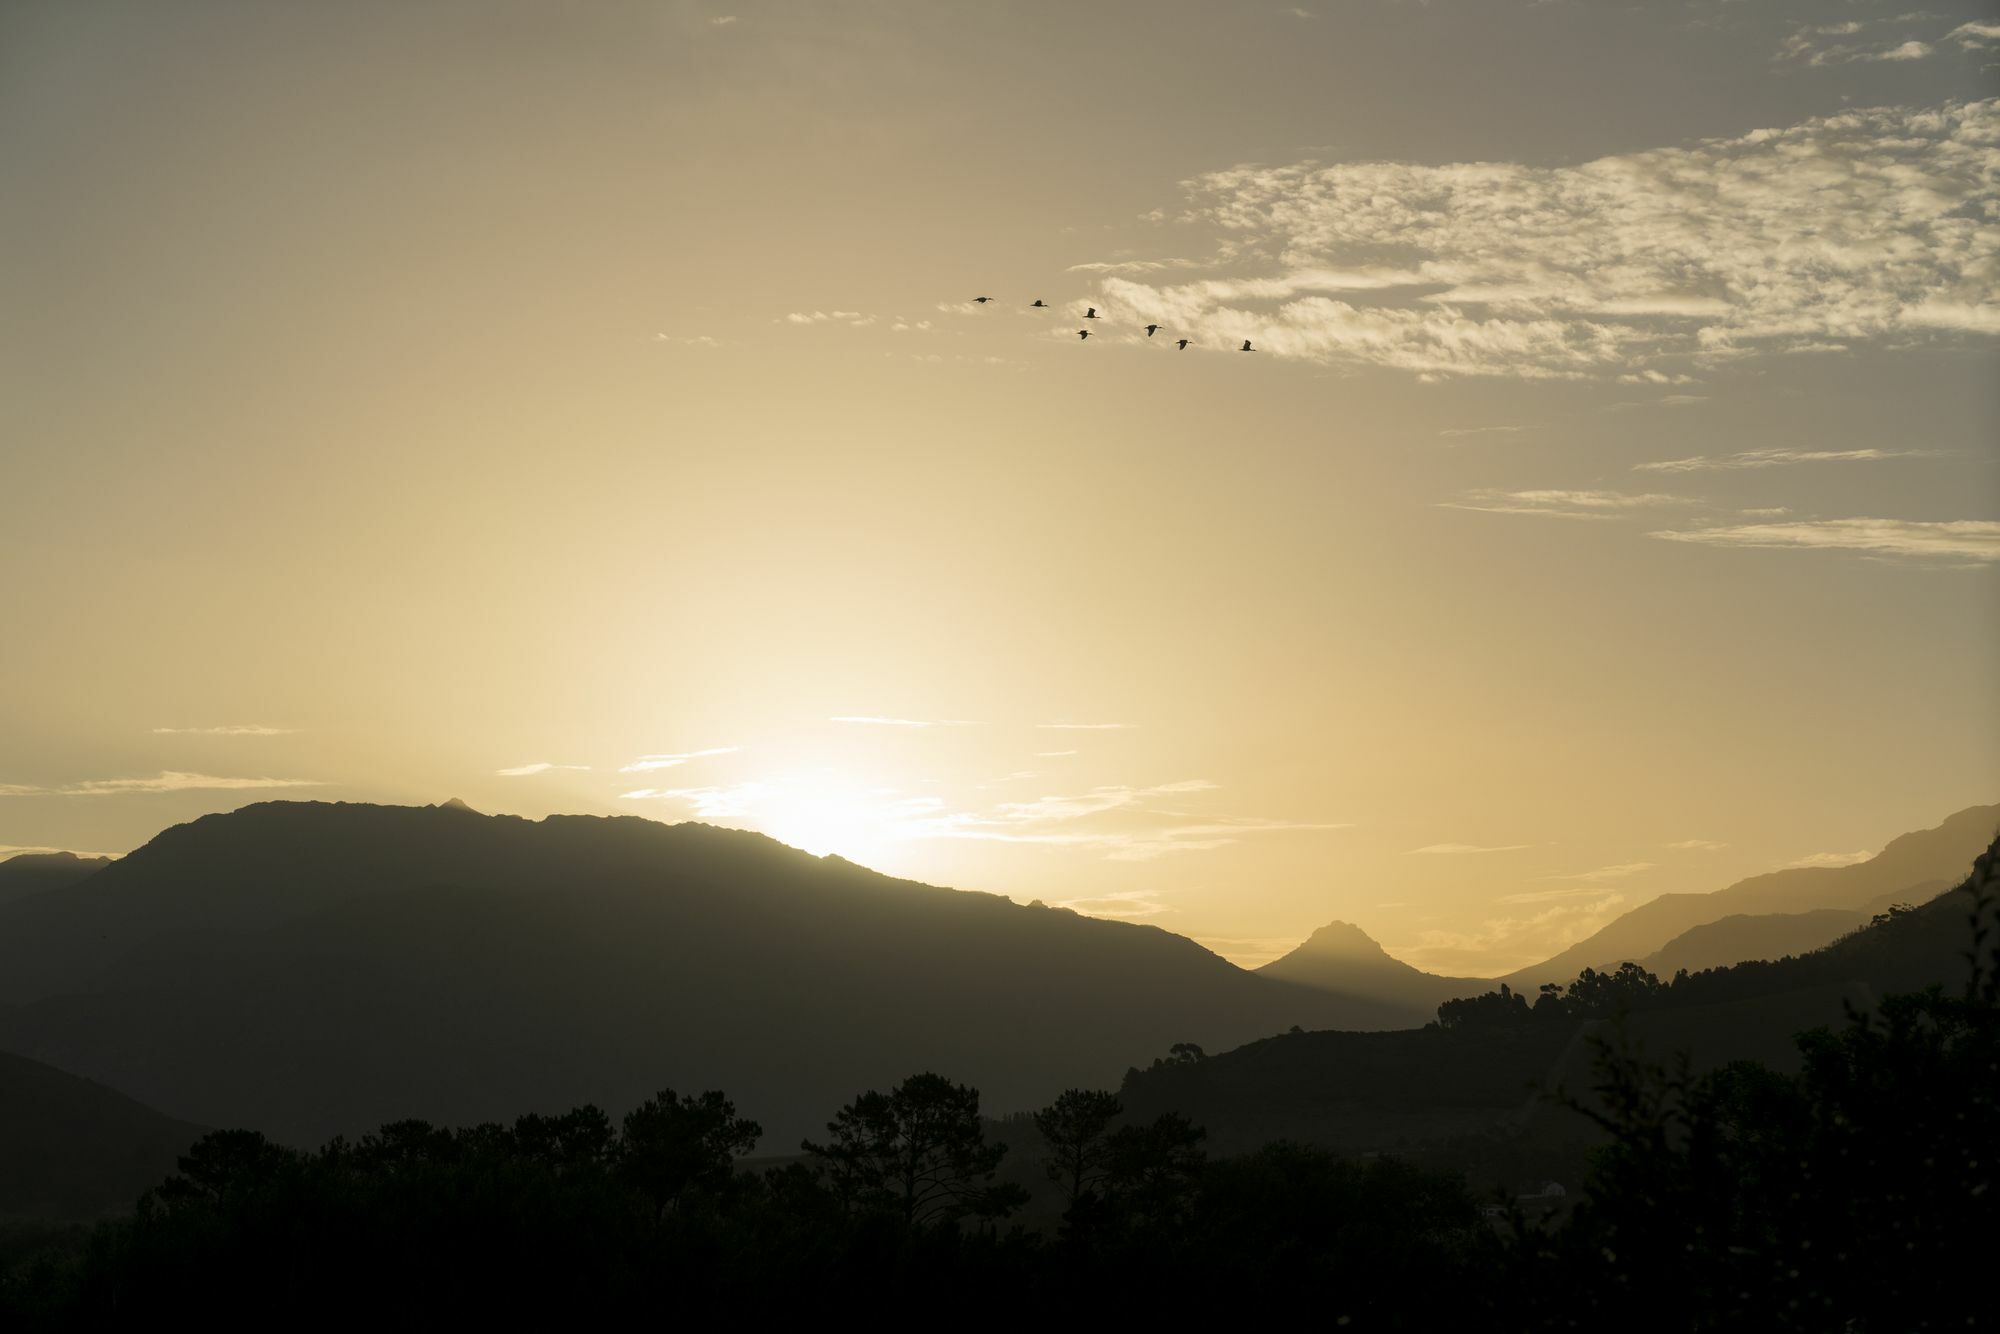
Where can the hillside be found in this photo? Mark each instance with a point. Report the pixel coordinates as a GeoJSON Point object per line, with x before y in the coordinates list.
{"type": "Point", "coordinates": [1913, 867]}
{"type": "Point", "coordinates": [1469, 1093]}
{"type": "Point", "coordinates": [73, 1149]}
{"type": "Point", "coordinates": [311, 969]}
{"type": "Point", "coordinates": [33, 872]}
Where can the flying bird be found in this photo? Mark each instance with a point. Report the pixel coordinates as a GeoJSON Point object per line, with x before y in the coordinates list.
{"type": "Point", "coordinates": [1181, 343]}
{"type": "Point", "coordinates": [1083, 333]}
{"type": "Point", "coordinates": [1152, 329]}
{"type": "Point", "coordinates": [981, 300]}
{"type": "Point", "coordinates": [1038, 304]}
{"type": "Point", "coordinates": [1091, 313]}
{"type": "Point", "coordinates": [1246, 347]}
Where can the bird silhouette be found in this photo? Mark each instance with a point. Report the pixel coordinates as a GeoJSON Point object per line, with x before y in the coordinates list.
{"type": "Point", "coordinates": [1038, 304]}
{"type": "Point", "coordinates": [1152, 329]}
{"type": "Point", "coordinates": [1181, 343]}
{"type": "Point", "coordinates": [1091, 313]}
{"type": "Point", "coordinates": [1246, 347]}
{"type": "Point", "coordinates": [1083, 333]}
{"type": "Point", "coordinates": [982, 300]}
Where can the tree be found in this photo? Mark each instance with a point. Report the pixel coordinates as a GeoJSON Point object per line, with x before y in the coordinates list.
{"type": "Point", "coordinates": [225, 1163]}
{"type": "Point", "coordinates": [1152, 1171]}
{"type": "Point", "coordinates": [917, 1152]}
{"type": "Point", "coordinates": [579, 1140]}
{"type": "Point", "coordinates": [676, 1143]}
{"type": "Point", "coordinates": [1077, 1128]}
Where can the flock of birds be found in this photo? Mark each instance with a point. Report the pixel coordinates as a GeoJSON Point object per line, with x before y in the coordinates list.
{"type": "Point", "coordinates": [1090, 313]}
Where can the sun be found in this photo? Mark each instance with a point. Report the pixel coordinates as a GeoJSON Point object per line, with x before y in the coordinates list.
{"type": "Point", "coordinates": [825, 811]}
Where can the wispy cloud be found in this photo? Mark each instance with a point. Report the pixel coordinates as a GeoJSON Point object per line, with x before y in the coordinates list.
{"type": "Point", "coordinates": [735, 801]}
{"type": "Point", "coordinates": [538, 767]}
{"type": "Point", "coordinates": [1127, 903]}
{"type": "Point", "coordinates": [1618, 872]}
{"type": "Point", "coordinates": [1456, 432]}
{"type": "Point", "coordinates": [1052, 754]}
{"type": "Point", "coordinates": [1553, 895]}
{"type": "Point", "coordinates": [1085, 727]}
{"type": "Point", "coordinates": [1697, 845]}
{"type": "Point", "coordinates": [1777, 458]}
{"type": "Point", "coordinates": [648, 763]}
{"type": "Point", "coordinates": [1465, 849]}
{"type": "Point", "coordinates": [229, 729]}
{"type": "Point", "coordinates": [1972, 36]}
{"type": "Point", "coordinates": [1964, 541]}
{"type": "Point", "coordinates": [852, 318]}
{"type": "Point", "coordinates": [1833, 859]}
{"type": "Point", "coordinates": [167, 780]}
{"type": "Point", "coordinates": [1560, 504]}
{"type": "Point", "coordinates": [1856, 226]}
{"type": "Point", "coordinates": [870, 720]}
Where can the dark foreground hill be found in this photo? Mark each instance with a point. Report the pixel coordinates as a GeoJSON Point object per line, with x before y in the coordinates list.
{"type": "Point", "coordinates": [310, 969]}
{"type": "Point", "coordinates": [70, 1148]}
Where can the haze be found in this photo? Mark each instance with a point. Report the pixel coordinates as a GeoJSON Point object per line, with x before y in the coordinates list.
{"type": "Point", "coordinates": [582, 409]}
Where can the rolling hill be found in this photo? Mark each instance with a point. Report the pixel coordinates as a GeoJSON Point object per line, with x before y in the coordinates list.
{"type": "Point", "coordinates": [311, 969]}
{"type": "Point", "coordinates": [73, 1149]}
{"type": "Point", "coordinates": [33, 872]}
{"type": "Point", "coordinates": [1914, 866]}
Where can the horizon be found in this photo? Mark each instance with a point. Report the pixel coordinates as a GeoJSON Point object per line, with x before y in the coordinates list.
{"type": "Point", "coordinates": [594, 414]}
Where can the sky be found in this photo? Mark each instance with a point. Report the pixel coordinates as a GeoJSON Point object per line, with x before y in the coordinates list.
{"type": "Point", "coordinates": [584, 408]}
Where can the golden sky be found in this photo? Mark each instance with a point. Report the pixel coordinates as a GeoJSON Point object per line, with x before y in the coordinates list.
{"type": "Point", "coordinates": [581, 408]}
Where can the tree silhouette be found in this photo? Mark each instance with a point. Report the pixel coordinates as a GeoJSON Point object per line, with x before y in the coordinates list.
{"type": "Point", "coordinates": [676, 1143]}
{"type": "Point", "coordinates": [1152, 1171]}
{"type": "Point", "coordinates": [1077, 1128]}
{"type": "Point", "coordinates": [917, 1152]}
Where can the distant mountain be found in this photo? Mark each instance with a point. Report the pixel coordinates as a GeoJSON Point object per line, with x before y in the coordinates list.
{"type": "Point", "coordinates": [1468, 1096]}
{"type": "Point", "coordinates": [1342, 957]}
{"type": "Point", "coordinates": [71, 1149]}
{"type": "Point", "coordinates": [311, 969]}
{"type": "Point", "coordinates": [32, 872]}
{"type": "Point", "coordinates": [1915, 866]}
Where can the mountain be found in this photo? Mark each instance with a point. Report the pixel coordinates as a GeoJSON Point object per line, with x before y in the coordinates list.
{"type": "Point", "coordinates": [1915, 867]}
{"type": "Point", "coordinates": [71, 1149]}
{"type": "Point", "coordinates": [311, 969]}
{"type": "Point", "coordinates": [1342, 957]}
{"type": "Point", "coordinates": [1468, 1096]}
{"type": "Point", "coordinates": [32, 872]}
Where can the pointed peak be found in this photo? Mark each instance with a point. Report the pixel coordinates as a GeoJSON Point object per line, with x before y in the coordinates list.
{"type": "Point", "coordinates": [455, 804]}
{"type": "Point", "coordinates": [1343, 938]}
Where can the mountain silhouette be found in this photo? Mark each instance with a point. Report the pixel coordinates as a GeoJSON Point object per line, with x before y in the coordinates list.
{"type": "Point", "coordinates": [311, 969]}
{"type": "Point", "coordinates": [1914, 866]}
{"type": "Point", "coordinates": [1341, 956]}
{"type": "Point", "coordinates": [33, 872]}
{"type": "Point", "coordinates": [73, 1149]}
{"type": "Point", "coordinates": [1470, 1093]}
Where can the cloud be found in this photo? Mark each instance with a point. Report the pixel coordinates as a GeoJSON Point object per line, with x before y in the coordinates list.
{"type": "Point", "coordinates": [1137, 831]}
{"type": "Point", "coordinates": [1962, 540]}
{"type": "Point", "coordinates": [1481, 430]}
{"type": "Point", "coordinates": [1777, 458]}
{"type": "Point", "coordinates": [1052, 754]}
{"type": "Point", "coordinates": [167, 780]}
{"type": "Point", "coordinates": [232, 729]}
{"type": "Point", "coordinates": [869, 720]}
{"type": "Point", "coordinates": [1553, 895]}
{"type": "Point", "coordinates": [1134, 265]}
{"type": "Point", "coordinates": [1850, 227]}
{"type": "Point", "coordinates": [722, 20]}
{"type": "Point", "coordinates": [1697, 845]}
{"type": "Point", "coordinates": [733, 802]}
{"type": "Point", "coordinates": [1512, 941]}
{"type": "Point", "coordinates": [1832, 859]}
{"type": "Point", "coordinates": [1558, 503]}
{"type": "Point", "coordinates": [1085, 727]}
{"type": "Point", "coordinates": [10, 850]}
{"type": "Point", "coordinates": [852, 318]}
{"type": "Point", "coordinates": [1618, 872]}
{"type": "Point", "coordinates": [538, 767]}
{"type": "Point", "coordinates": [648, 763]}
{"type": "Point", "coordinates": [1465, 849]}
{"type": "Point", "coordinates": [1128, 903]}
{"type": "Point", "coordinates": [1972, 36]}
